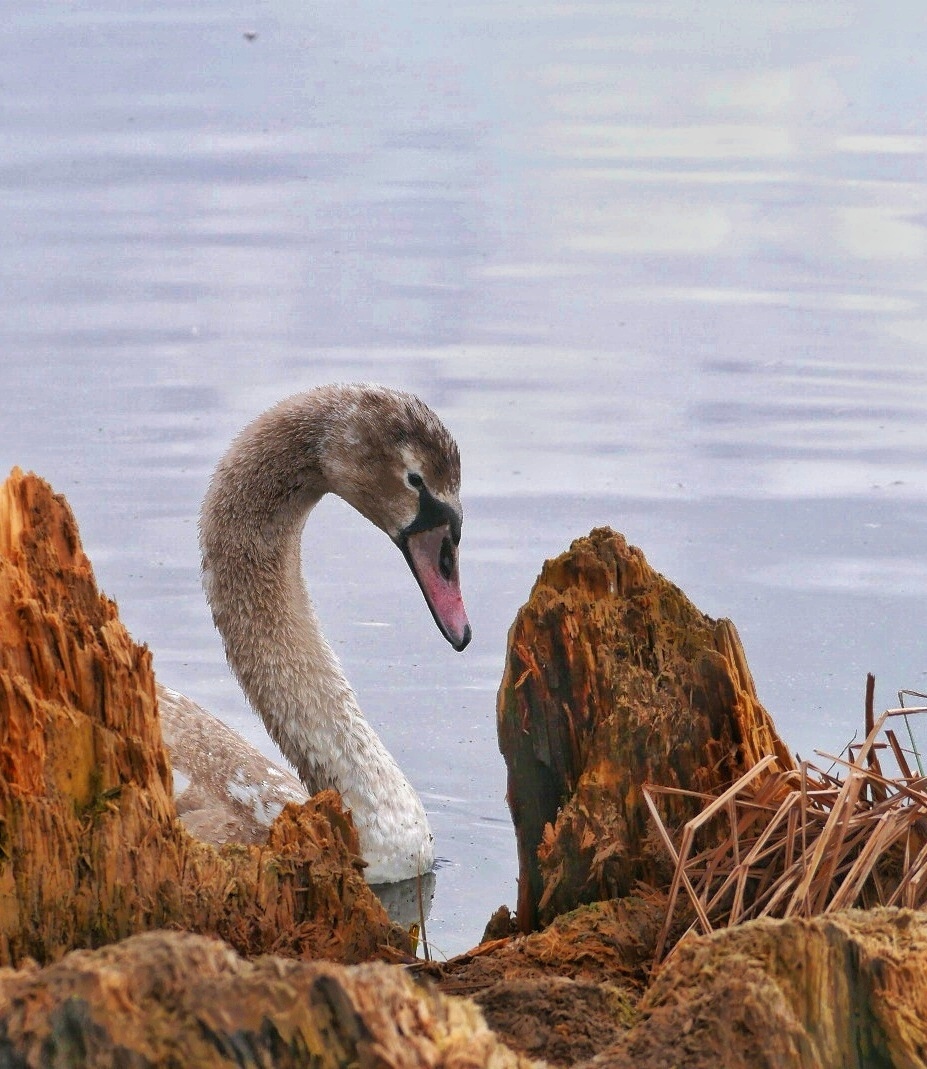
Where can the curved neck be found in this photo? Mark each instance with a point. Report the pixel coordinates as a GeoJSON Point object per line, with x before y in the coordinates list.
{"type": "Point", "coordinates": [250, 536]}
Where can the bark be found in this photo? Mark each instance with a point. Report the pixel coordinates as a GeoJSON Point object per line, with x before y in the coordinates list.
{"type": "Point", "coordinates": [90, 847]}
{"type": "Point", "coordinates": [613, 679]}
{"type": "Point", "coordinates": [172, 1000]}
{"type": "Point", "coordinates": [843, 991]}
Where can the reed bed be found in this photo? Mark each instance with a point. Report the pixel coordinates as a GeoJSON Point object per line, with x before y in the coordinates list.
{"type": "Point", "coordinates": [804, 841]}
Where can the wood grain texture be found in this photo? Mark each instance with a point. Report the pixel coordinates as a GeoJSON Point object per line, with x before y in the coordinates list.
{"type": "Point", "coordinates": [840, 991]}
{"type": "Point", "coordinates": [171, 999]}
{"type": "Point", "coordinates": [614, 679]}
{"type": "Point", "coordinates": [90, 847]}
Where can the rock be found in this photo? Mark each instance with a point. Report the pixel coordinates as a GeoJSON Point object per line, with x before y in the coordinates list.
{"type": "Point", "coordinates": [613, 679]}
{"type": "Point", "coordinates": [90, 847]}
{"type": "Point", "coordinates": [174, 999]}
{"type": "Point", "coordinates": [840, 991]}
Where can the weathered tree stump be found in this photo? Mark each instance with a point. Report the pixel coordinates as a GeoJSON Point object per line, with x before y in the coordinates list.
{"type": "Point", "coordinates": [565, 993]}
{"type": "Point", "coordinates": [614, 679]}
{"type": "Point", "coordinates": [171, 999]}
{"type": "Point", "coordinates": [90, 847]}
{"type": "Point", "coordinates": [840, 991]}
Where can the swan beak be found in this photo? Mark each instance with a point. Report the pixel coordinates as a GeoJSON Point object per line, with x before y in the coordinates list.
{"type": "Point", "coordinates": [432, 556]}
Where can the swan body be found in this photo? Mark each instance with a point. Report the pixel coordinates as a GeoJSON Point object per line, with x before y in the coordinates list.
{"type": "Point", "coordinates": [389, 456]}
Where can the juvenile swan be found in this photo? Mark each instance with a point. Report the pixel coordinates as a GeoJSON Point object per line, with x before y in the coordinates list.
{"type": "Point", "coordinates": [388, 455]}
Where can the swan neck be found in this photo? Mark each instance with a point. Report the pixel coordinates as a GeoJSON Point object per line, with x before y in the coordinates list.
{"type": "Point", "coordinates": [250, 535]}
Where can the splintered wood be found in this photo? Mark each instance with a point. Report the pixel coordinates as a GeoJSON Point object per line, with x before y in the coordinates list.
{"type": "Point", "coordinates": [614, 679]}
{"type": "Point", "coordinates": [803, 841]}
{"type": "Point", "coordinates": [90, 847]}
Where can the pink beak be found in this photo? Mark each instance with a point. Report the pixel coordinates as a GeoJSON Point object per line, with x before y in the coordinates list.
{"type": "Point", "coordinates": [432, 556]}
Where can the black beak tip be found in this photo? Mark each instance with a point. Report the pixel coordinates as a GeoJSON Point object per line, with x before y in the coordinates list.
{"type": "Point", "coordinates": [464, 639]}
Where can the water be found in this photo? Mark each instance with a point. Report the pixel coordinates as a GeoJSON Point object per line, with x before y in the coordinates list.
{"type": "Point", "coordinates": [657, 266]}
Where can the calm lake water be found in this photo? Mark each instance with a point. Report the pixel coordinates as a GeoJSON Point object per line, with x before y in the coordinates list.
{"type": "Point", "coordinates": [661, 266]}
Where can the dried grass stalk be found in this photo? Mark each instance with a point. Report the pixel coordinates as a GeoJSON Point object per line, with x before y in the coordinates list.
{"type": "Point", "coordinates": [803, 842]}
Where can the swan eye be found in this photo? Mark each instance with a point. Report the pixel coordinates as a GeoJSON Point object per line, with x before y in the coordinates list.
{"type": "Point", "coordinates": [414, 479]}
{"type": "Point", "coordinates": [446, 559]}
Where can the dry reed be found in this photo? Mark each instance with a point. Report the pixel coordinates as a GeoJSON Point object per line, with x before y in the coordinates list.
{"type": "Point", "coordinates": [806, 841]}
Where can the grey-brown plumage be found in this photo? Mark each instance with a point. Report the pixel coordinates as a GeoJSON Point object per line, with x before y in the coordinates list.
{"type": "Point", "coordinates": [388, 455]}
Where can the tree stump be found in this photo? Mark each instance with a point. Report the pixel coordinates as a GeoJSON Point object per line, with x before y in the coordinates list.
{"type": "Point", "coordinates": [90, 847]}
{"type": "Point", "coordinates": [172, 999]}
{"type": "Point", "coordinates": [614, 679]}
{"type": "Point", "coordinates": [846, 990]}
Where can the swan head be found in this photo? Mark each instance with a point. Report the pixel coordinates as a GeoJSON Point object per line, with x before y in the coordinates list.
{"type": "Point", "coordinates": [390, 457]}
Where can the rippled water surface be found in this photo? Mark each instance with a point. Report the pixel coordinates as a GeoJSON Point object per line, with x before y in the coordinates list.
{"type": "Point", "coordinates": [661, 266]}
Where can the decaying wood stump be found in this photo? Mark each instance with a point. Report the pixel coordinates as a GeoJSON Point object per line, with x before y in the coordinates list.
{"type": "Point", "coordinates": [567, 992]}
{"type": "Point", "coordinates": [840, 991]}
{"type": "Point", "coordinates": [614, 679]}
{"type": "Point", "coordinates": [173, 999]}
{"type": "Point", "coordinates": [90, 847]}
{"type": "Point", "coordinates": [846, 990]}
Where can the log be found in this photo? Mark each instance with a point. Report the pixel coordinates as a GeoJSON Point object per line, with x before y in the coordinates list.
{"type": "Point", "coordinates": [91, 849]}
{"type": "Point", "coordinates": [174, 999]}
{"type": "Point", "coordinates": [614, 679]}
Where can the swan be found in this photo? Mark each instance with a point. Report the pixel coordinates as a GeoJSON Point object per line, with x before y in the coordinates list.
{"type": "Point", "coordinates": [387, 454]}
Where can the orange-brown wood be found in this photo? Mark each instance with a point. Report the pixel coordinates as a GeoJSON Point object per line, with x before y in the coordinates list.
{"type": "Point", "coordinates": [90, 847]}
{"type": "Point", "coordinates": [614, 679]}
